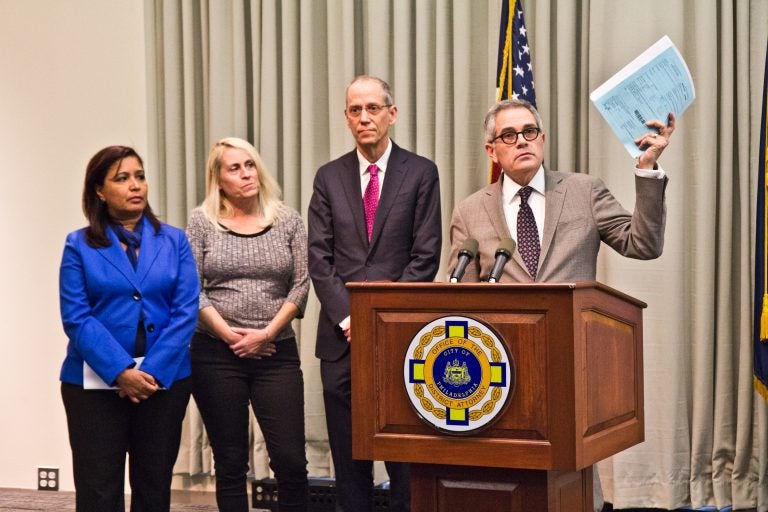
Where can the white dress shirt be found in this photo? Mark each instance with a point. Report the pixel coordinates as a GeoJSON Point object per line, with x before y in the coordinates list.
{"type": "Point", "coordinates": [381, 163]}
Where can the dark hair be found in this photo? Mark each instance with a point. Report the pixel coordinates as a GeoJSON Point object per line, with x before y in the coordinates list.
{"type": "Point", "coordinates": [95, 209]}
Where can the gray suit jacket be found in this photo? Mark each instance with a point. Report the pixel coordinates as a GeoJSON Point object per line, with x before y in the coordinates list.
{"type": "Point", "coordinates": [405, 243]}
{"type": "Point", "coordinates": [580, 213]}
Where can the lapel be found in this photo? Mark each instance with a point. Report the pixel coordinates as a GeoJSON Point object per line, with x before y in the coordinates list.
{"type": "Point", "coordinates": [151, 245]}
{"type": "Point", "coordinates": [554, 193]}
{"type": "Point", "coordinates": [396, 169]}
{"type": "Point", "coordinates": [350, 184]}
{"type": "Point", "coordinates": [495, 210]}
{"type": "Point", "coordinates": [115, 254]}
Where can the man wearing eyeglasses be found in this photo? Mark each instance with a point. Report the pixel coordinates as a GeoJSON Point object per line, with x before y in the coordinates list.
{"type": "Point", "coordinates": [374, 215]}
{"type": "Point", "coordinates": [558, 219]}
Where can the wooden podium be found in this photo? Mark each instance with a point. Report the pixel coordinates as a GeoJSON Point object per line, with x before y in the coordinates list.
{"type": "Point", "coordinates": [577, 398]}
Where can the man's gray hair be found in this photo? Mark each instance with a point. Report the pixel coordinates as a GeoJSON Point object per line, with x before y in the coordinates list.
{"type": "Point", "coordinates": [388, 98]}
{"type": "Point", "coordinates": [490, 117]}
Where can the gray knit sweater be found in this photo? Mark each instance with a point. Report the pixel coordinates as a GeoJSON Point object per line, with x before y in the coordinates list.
{"type": "Point", "coordinates": [248, 278]}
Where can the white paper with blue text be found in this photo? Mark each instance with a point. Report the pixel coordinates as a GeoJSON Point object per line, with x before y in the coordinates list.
{"type": "Point", "coordinates": [650, 87]}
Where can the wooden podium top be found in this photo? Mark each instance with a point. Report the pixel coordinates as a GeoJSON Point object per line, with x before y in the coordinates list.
{"type": "Point", "coordinates": [382, 286]}
{"type": "Point", "coordinates": [577, 355]}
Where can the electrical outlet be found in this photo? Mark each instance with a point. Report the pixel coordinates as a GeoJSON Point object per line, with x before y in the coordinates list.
{"type": "Point", "coordinates": [47, 479]}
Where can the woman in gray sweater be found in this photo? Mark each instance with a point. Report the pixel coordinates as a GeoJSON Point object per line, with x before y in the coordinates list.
{"type": "Point", "coordinates": [251, 254]}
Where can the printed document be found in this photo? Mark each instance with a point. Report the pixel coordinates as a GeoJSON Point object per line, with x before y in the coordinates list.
{"type": "Point", "coordinates": [91, 379]}
{"type": "Point", "coordinates": [650, 87]}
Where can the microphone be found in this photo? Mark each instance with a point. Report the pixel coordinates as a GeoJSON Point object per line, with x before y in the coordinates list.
{"type": "Point", "coordinates": [466, 254]}
{"type": "Point", "coordinates": [503, 253]}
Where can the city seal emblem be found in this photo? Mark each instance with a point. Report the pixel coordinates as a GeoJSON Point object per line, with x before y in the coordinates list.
{"type": "Point", "coordinates": [458, 374]}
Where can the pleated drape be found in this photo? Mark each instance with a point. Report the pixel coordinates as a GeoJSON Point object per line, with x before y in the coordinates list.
{"type": "Point", "coordinates": [275, 72]}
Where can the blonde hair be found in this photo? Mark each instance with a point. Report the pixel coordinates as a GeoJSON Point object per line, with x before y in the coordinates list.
{"type": "Point", "coordinates": [216, 206]}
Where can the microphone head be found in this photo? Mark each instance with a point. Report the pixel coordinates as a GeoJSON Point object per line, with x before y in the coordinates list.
{"type": "Point", "coordinates": [470, 247]}
{"type": "Point", "coordinates": [506, 247]}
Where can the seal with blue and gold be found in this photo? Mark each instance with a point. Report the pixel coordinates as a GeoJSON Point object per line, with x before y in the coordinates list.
{"type": "Point", "coordinates": [459, 374]}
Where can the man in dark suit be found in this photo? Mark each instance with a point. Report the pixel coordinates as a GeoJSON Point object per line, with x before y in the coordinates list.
{"type": "Point", "coordinates": [573, 212]}
{"type": "Point", "coordinates": [374, 216]}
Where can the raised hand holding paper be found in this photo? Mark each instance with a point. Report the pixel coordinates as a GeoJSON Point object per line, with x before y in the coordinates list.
{"type": "Point", "coordinates": [654, 84]}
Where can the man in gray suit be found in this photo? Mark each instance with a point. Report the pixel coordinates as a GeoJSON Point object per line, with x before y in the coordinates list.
{"type": "Point", "coordinates": [558, 219]}
{"type": "Point", "coordinates": [374, 216]}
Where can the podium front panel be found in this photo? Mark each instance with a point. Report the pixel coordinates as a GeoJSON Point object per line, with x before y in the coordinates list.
{"type": "Point", "coordinates": [578, 388]}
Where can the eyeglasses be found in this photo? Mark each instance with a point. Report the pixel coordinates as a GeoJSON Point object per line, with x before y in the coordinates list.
{"type": "Point", "coordinates": [356, 110]}
{"type": "Point", "coordinates": [510, 137]}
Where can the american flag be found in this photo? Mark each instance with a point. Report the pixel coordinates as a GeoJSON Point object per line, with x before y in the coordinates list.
{"type": "Point", "coordinates": [760, 343]}
{"type": "Point", "coordinates": [514, 70]}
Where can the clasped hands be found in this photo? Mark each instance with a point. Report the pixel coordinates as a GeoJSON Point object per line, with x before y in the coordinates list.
{"type": "Point", "coordinates": [251, 343]}
{"type": "Point", "coordinates": [136, 385]}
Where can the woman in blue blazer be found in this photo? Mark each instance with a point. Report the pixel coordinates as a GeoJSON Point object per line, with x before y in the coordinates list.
{"type": "Point", "coordinates": [129, 299]}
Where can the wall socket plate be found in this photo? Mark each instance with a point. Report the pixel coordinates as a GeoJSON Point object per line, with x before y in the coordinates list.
{"type": "Point", "coordinates": [47, 479]}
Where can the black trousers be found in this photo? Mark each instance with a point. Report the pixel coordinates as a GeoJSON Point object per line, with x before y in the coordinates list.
{"type": "Point", "coordinates": [354, 478]}
{"type": "Point", "coordinates": [103, 428]}
{"type": "Point", "coordinates": [223, 386]}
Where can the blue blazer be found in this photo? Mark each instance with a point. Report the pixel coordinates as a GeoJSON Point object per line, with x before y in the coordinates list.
{"type": "Point", "coordinates": [103, 297]}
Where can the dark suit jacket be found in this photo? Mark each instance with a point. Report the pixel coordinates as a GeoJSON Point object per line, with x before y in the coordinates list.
{"type": "Point", "coordinates": [103, 298]}
{"type": "Point", "coordinates": [405, 243]}
{"type": "Point", "coordinates": [580, 213]}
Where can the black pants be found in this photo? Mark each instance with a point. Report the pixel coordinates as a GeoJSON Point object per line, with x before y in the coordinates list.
{"type": "Point", "coordinates": [103, 428]}
{"type": "Point", "coordinates": [354, 478]}
{"type": "Point", "coordinates": [223, 387]}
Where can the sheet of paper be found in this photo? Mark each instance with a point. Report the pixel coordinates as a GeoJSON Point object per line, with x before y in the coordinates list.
{"type": "Point", "coordinates": [654, 84]}
{"type": "Point", "coordinates": [91, 379]}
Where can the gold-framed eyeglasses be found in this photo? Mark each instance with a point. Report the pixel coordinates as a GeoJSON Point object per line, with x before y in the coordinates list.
{"type": "Point", "coordinates": [510, 137]}
{"type": "Point", "coordinates": [357, 110]}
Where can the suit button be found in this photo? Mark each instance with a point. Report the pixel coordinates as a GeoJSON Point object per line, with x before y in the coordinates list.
{"type": "Point", "coordinates": [151, 328]}
{"type": "Point", "coordinates": [136, 296]}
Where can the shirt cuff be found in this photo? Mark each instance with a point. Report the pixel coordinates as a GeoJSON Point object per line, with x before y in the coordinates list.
{"type": "Point", "coordinates": [344, 324]}
{"type": "Point", "coordinates": [658, 174]}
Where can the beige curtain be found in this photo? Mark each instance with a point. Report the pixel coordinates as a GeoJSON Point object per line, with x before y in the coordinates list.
{"type": "Point", "coordinates": [274, 72]}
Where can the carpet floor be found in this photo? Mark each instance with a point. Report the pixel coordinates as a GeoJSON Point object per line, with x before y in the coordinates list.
{"type": "Point", "coordinates": [22, 500]}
